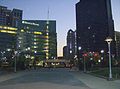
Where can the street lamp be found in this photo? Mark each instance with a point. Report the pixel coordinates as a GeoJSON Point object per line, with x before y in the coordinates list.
{"type": "Point", "coordinates": [79, 48]}
{"type": "Point", "coordinates": [84, 61]}
{"type": "Point", "coordinates": [109, 40]}
{"type": "Point", "coordinates": [102, 51]}
{"type": "Point", "coordinates": [15, 61]}
{"type": "Point", "coordinates": [78, 56]}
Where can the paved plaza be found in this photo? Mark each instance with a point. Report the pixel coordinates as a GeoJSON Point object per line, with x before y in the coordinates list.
{"type": "Point", "coordinates": [58, 78]}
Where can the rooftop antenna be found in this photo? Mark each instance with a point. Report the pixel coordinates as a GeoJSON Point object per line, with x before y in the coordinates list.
{"type": "Point", "coordinates": [47, 35]}
{"type": "Point", "coordinates": [48, 14]}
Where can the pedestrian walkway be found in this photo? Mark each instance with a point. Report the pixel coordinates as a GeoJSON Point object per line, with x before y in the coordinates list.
{"type": "Point", "coordinates": [91, 81]}
{"type": "Point", "coordinates": [97, 83]}
{"type": "Point", "coordinates": [41, 79]}
{"type": "Point", "coordinates": [9, 75]}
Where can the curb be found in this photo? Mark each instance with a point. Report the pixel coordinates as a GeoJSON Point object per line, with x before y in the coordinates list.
{"type": "Point", "coordinates": [100, 76]}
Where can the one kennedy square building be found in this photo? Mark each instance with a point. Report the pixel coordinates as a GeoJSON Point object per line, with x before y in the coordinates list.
{"type": "Point", "coordinates": [94, 23]}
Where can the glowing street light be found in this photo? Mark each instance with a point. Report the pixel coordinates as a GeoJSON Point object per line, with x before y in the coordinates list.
{"type": "Point", "coordinates": [15, 61]}
{"type": "Point", "coordinates": [79, 48]}
{"type": "Point", "coordinates": [102, 51]}
{"type": "Point", "coordinates": [109, 40]}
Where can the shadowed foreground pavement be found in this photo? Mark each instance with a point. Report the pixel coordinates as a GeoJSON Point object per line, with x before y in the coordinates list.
{"type": "Point", "coordinates": [54, 79]}
{"type": "Point", "coordinates": [43, 79]}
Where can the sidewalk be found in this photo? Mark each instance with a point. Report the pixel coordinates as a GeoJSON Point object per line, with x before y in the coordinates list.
{"type": "Point", "coordinates": [97, 83]}
{"type": "Point", "coordinates": [9, 75]}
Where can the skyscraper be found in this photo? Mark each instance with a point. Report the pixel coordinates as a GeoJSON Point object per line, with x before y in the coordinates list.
{"type": "Point", "coordinates": [69, 51]}
{"type": "Point", "coordinates": [9, 20]}
{"type": "Point", "coordinates": [71, 44]}
{"type": "Point", "coordinates": [45, 43]}
{"type": "Point", "coordinates": [94, 23]}
{"type": "Point", "coordinates": [10, 17]}
{"type": "Point", "coordinates": [117, 36]}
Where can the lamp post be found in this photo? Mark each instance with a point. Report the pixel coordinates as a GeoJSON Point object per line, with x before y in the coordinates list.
{"type": "Point", "coordinates": [109, 40]}
{"type": "Point", "coordinates": [15, 61]}
{"type": "Point", "coordinates": [79, 48]}
{"type": "Point", "coordinates": [84, 60]}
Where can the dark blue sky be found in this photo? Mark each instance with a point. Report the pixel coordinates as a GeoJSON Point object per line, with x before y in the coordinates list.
{"type": "Point", "coordinates": [63, 11]}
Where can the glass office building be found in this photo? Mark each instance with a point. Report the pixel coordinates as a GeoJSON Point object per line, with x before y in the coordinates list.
{"type": "Point", "coordinates": [40, 37]}
{"type": "Point", "coordinates": [94, 23]}
{"type": "Point", "coordinates": [9, 20]}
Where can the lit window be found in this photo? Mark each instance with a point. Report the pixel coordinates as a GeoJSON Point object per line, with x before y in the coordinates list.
{"type": "Point", "coordinates": [20, 38]}
{"type": "Point", "coordinates": [37, 33]}
{"type": "Point", "coordinates": [47, 27]}
{"type": "Point", "coordinates": [22, 30]}
{"type": "Point", "coordinates": [89, 27]}
{"type": "Point", "coordinates": [47, 34]}
{"type": "Point", "coordinates": [47, 40]}
{"type": "Point", "coordinates": [19, 46]}
{"type": "Point", "coordinates": [93, 35]}
{"type": "Point", "coordinates": [32, 57]}
{"type": "Point", "coordinates": [35, 43]}
{"type": "Point", "coordinates": [35, 51]}
{"type": "Point", "coordinates": [20, 42]}
{"type": "Point", "coordinates": [46, 37]}
{"type": "Point", "coordinates": [35, 39]}
{"type": "Point", "coordinates": [35, 36]}
{"type": "Point", "coordinates": [27, 27]}
{"type": "Point", "coordinates": [5, 31]}
{"type": "Point", "coordinates": [70, 51]}
{"type": "Point", "coordinates": [35, 47]}
{"type": "Point", "coordinates": [47, 22]}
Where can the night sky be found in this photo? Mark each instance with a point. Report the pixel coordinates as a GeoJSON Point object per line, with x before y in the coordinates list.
{"type": "Point", "coordinates": [63, 11]}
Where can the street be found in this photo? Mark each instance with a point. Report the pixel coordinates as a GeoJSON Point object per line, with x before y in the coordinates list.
{"type": "Point", "coordinates": [54, 78]}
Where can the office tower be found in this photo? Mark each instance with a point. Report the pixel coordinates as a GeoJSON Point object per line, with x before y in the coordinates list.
{"type": "Point", "coordinates": [9, 20]}
{"type": "Point", "coordinates": [42, 37]}
{"type": "Point", "coordinates": [10, 17]}
{"type": "Point", "coordinates": [70, 44]}
{"type": "Point", "coordinates": [65, 53]}
{"type": "Point", "coordinates": [117, 38]}
{"type": "Point", "coordinates": [94, 23]}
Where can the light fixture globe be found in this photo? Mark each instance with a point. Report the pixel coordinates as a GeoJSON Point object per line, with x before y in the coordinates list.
{"type": "Point", "coordinates": [108, 39]}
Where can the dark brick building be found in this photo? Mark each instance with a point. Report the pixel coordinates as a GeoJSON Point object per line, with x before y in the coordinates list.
{"type": "Point", "coordinates": [94, 23]}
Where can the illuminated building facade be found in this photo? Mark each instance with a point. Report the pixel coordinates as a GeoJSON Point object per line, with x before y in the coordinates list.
{"type": "Point", "coordinates": [7, 37]}
{"type": "Point", "coordinates": [9, 20]}
{"type": "Point", "coordinates": [10, 17]}
{"type": "Point", "coordinates": [94, 23]}
{"type": "Point", "coordinates": [41, 37]}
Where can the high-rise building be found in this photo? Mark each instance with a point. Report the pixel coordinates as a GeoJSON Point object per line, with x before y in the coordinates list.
{"type": "Point", "coordinates": [10, 17]}
{"type": "Point", "coordinates": [69, 51]}
{"type": "Point", "coordinates": [9, 20]}
{"type": "Point", "coordinates": [117, 38]}
{"type": "Point", "coordinates": [65, 53]}
{"type": "Point", "coordinates": [94, 23]}
{"type": "Point", "coordinates": [71, 44]}
{"type": "Point", "coordinates": [41, 37]}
